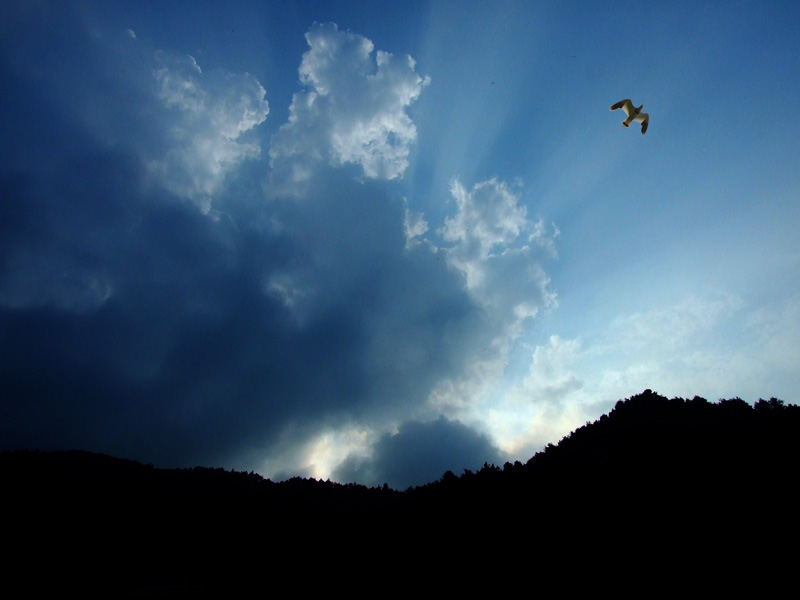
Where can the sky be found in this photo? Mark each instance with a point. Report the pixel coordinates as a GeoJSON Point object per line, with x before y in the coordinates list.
{"type": "Point", "coordinates": [375, 241]}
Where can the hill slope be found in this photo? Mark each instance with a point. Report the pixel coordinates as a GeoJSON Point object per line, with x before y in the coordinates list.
{"type": "Point", "coordinates": [652, 470]}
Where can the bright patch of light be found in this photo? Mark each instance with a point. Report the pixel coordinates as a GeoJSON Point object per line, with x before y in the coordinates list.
{"type": "Point", "coordinates": [331, 448]}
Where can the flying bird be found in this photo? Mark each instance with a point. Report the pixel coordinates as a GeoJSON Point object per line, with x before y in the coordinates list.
{"type": "Point", "coordinates": [634, 114]}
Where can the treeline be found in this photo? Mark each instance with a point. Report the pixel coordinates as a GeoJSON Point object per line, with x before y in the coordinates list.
{"type": "Point", "coordinates": [667, 453]}
{"type": "Point", "coordinates": [72, 477]}
{"type": "Point", "coordinates": [654, 473]}
{"type": "Point", "coordinates": [646, 440]}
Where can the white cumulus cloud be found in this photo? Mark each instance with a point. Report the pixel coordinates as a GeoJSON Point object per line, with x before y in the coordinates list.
{"type": "Point", "coordinates": [500, 252]}
{"type": "Point", "coordinates": [208, 117]}
{"type": "Point", "coordinates": [499, 249]}
{"type": "Point", "coordinates": [353, 110]}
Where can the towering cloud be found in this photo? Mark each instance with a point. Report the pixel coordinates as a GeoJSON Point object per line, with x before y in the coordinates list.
{"type": "Point", "coordinates": [352, 112]}
{"type": "Point", "coordinates": [327, 335]}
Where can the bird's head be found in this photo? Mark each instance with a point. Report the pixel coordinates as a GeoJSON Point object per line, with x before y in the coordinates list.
{"type": "Point", "coordinates": [638, 110]}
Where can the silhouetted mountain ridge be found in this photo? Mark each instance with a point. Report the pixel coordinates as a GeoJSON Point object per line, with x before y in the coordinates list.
{"type": "Point", "coordinates": [653, 469]}
{"type": "Point", "coordinates": [649, 447]}
{"type": "Point", "coordinates": [645, 439]}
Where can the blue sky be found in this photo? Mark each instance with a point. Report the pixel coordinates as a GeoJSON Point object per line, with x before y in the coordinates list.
{"type": "Point", "coordinates": [374, 241]}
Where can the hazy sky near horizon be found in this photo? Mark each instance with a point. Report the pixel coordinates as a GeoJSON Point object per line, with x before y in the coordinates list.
{"type": "Point", "coordinates": [374, 241]}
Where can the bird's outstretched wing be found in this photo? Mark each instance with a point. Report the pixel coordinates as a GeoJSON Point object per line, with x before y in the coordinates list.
{"type": "Point", "coordinates": [644, 119]}
{"type": "Point", "coordinates": [625, 105]}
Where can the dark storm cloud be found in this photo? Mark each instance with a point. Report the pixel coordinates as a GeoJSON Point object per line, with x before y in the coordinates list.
{"type": "Point", "coordinates": [159, 301]}
{"type": "Point", "coordinates": [420, 453]}
{"type": "Point", "coordinates": [136, 325]}
{"type": "Point", "coordinates": [192, 354]}
{"type": "Point", "coordinates": [111, 369]}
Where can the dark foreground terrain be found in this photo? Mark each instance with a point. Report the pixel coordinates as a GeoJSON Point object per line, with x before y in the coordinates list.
{"type": "Point", "coordinates": [655, 493]}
